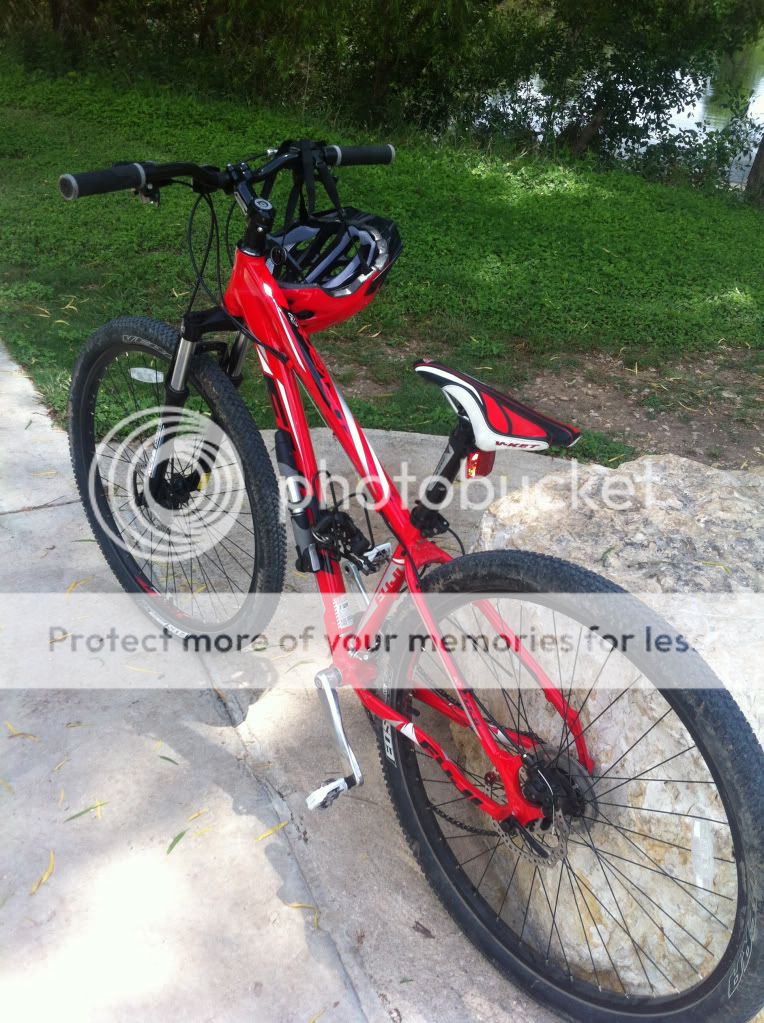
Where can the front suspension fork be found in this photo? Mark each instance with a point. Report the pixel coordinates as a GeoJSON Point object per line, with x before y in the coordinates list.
{"type": "Point", "coordinates": [175, 397]}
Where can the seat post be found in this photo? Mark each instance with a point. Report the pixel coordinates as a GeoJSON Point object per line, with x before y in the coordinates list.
{"type": "Point", "coordinates": [460, 443]}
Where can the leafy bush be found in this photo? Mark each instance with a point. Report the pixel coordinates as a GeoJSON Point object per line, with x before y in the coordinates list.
{"type": "Point", "coordinates": [575, 75]}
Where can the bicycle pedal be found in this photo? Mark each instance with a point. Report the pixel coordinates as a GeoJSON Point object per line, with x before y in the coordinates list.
{"type": "Point", "coordinates": [325, 795]}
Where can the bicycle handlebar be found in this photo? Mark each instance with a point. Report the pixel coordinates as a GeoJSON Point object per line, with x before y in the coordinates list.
{"type": "Point", "coordinates": [358, 156]}
{"type": "Point", "coordinates": [124, 176]}
{"type": "Point", "coordinates": [76, 186]}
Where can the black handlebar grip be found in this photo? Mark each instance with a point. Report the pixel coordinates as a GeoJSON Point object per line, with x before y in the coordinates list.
{"type": "Point", "coordinates": [115, 179]}
{"type": "Point", "coordinates": [358, 156]}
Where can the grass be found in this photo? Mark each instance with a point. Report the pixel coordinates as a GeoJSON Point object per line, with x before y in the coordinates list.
{"type": "Point", "coordinates": [507, 266]}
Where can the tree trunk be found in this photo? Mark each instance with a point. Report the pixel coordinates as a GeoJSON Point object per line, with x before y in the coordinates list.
{"type": "Point", "coordinates": [754, 186]}
{"type": "Point", "coordinates": [589, 131]}
{"type": "Point", "coordinates": [71, 19]}
{"type": "Point", "coordinates": [578, 137]}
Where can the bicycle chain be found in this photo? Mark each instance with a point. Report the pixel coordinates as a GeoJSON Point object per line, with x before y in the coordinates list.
{"type": "Point", "coordinates": [556, 853]}
{"type": "Point", "coordinates": [460, 824]}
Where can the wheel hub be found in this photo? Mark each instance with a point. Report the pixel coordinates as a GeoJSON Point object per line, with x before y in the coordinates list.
{"type": "Point", "coordinates": [172, 493]}
{"type": "Point", "coordinates": [561, 787]}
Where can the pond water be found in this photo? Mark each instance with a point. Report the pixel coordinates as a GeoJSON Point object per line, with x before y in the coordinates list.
{"type": "Point", "coordinates": [742, 73]}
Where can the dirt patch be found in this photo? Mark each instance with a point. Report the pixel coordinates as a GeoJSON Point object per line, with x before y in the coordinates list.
{"type": "Point", "coordinates": [707, 407]}
{"type": "Point", "coordinates": [710, 409]}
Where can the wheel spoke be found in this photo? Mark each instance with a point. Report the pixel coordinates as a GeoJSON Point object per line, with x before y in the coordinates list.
{"type": "Point", "coordinates": [600, 910]}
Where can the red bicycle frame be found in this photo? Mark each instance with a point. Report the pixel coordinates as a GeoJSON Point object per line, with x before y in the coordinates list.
{"type": "Point", "coordinates": [287, 358]}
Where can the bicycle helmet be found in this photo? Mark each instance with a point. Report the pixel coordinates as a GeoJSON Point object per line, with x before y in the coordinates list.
{"type": "Point", "coordinates": [330, 266]}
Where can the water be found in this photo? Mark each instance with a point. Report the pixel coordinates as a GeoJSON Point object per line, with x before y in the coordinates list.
{"type": "Point", "coordinates": [741, 73]}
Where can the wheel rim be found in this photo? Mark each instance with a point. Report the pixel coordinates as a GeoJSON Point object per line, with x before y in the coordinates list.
{"type": "Point", "coordinates": [640, 907]}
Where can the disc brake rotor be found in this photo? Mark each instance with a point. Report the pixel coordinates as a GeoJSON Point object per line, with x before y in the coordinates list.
{"type": "Point", "coordinates": [535, 846]}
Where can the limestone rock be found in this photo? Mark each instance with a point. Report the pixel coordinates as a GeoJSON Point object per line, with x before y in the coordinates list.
{"type": "Point", "coordinates": [657, 524]}
{"type": "Point", "coordinates": [685, 537]}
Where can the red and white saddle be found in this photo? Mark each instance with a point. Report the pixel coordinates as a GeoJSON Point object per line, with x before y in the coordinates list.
{"type": "Point", "coordinates": [497, 420]}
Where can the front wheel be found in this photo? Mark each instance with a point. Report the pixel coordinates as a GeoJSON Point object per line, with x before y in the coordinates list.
{"type": "Point", "coordinates": [204, 547]}
{"type": "Point", "coordinates": [637, 895]}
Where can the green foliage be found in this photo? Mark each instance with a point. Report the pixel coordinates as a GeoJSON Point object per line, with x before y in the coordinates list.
{"type": "Point", "coordinates": [596, 447]}
{"type": "Point", "coordinates": [699, 156]}
{"type": "Point", "coordinates": [505, 262]}
{"type": "Point", "coordinates": [575, 73]}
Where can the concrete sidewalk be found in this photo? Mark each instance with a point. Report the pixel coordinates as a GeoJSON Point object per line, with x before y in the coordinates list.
{"type": "Point", "coordinates": [326, 918]}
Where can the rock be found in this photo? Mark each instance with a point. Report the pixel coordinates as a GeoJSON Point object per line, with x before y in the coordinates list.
{"type": "Point", "coordinates": [688, 539]}
{"type": "Point", "coordinates": [657, 524]}
{"type": "Point", "coordinates": [685, 537]}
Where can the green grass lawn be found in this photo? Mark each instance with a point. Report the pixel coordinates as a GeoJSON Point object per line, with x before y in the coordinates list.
{"type": "Point", "coordinates": [506, 264]}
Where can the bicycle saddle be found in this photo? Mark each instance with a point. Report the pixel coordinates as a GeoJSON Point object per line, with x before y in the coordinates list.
{"type": "Point", "coordinates": [497, 420]}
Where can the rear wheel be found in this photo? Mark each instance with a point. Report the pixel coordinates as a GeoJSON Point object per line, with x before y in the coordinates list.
{"type": "Point", "coordinates": [206, 548]}
{"type": "Point", "coordinates": [637, 896]}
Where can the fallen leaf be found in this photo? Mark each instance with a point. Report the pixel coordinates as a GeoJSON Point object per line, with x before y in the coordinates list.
{"type": "Point", "coordinates": [199, 813]}
{"type": "Point", "coordinates": [59, 639]}
{"type": "Point", "coordinates": [220, 696]}
{"type": "Point", "coordinates": [314, 1019]}
{"type": "Point", "coordinates": [305, 905]}
{"type": "Point", "coordinates": [46, 474]}
{"type": "Point", "coordinates": [74, 724]}
{"type": "Point", "coordinates": [78, 582]}
{"type": "Point", "coordinates": [271, 831]}
{"type": "Point", "coordinates": [60, 764]}
{"type": "Point", "coordinates": [19, 735]}
{"type": "Point", "coordinates": [61, 798]}
{"type": "Point", "coordinates": [421, 929]}
{"type": "Point", "coordinates": [163, 757]}
{"type": "Point", "coordinates": [46, 876]}
{"type": "Point", "coordinates": [88, 809]}
{"type": "Point", "coordinates": [175, 841]}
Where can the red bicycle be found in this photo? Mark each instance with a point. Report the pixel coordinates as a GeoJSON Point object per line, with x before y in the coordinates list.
{"type": "Point", "coordinates": [590, 813]}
